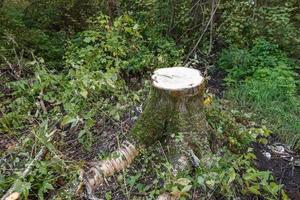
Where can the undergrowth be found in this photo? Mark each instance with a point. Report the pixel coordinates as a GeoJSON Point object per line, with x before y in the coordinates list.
{"type": "Point", "coordinates": [66, 72]}
{"type": "Point", "coordinates": [262, 80]}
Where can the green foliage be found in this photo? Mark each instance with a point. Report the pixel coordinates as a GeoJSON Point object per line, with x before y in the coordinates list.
{"type": "Point", "coordinates": [274, 100]}
{"type": "Point", "coordinates": [120, 46]}
{"type": "Point", "coordinates": [60, 15]}
{"type": "Point", "coordinates": [242, 64]}
{"type": "Point", "coordinates": [243, 21]}
{"type": "Point", "coordinates": [231, 174]}
{"type": "Point", "coordinates": [263, 81]}
{"type": "Point", "coordinates": [73, 59]}
{"type": "Point", "coordinates": [226, 175]}
{"type": "Point", "coordinates": [15, 36]}
{"type": "Point", "coordinates": [234, 135]}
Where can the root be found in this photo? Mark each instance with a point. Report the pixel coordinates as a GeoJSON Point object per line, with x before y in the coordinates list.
{"type": "Point", "coordinates": [95, 176]}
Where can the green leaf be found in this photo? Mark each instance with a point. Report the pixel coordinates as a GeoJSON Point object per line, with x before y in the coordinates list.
{"type": "Point", "coordinates": [108, 196]}
{"type": "Point", "coordinates": [254, 189]}
{"type": "Point", "coordinates": [210, 183]}
{"type": "Point", "coordinates": [274, 187]}
{"type": "Point", "coordinates": [183, 181]}
{"type": "Point", "coordinates": [200, 180]}
{"type": "Point", "coordinates": [22, 187]}
{"type": "Point", "coordinates": [263, 141]}
{"type": "Point", "coordinates": [232, 175]}
{"type": "Point", "coordinates": [67, 119]}
{"type": "Point", "coordinates": [284, 196]}
{"type": "Point", "coordinates": [45, 187]}
{"type": "Point", "coordinates": [186, 188]}
{"type": "Point", "coordinates": [83, 93]}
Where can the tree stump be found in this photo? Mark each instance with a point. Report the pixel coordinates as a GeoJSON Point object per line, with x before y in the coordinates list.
{"type": "Point", "coordinates": [174, 114]}
{"type": "Point", "coordinates": [175, 108]}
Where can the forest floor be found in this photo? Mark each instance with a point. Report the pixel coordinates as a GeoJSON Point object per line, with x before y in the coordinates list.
{"type": "Point", "coordinates": [283, 163]}
{"type": "Point", "coordinates": [144, 176]}
{"type": "Point", "coordinates": [284, 166]}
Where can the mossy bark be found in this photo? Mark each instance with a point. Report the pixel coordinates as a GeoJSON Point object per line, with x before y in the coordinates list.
{"type": "Point", "coordinates": [177, 117]}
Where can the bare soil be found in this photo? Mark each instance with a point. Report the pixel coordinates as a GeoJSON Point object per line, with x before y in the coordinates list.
{"type": "Point", "coordinates": [285, 172]}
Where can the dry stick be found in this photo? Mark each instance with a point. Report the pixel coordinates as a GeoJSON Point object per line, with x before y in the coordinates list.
{"type": "Point", "coordinates": [191, 9]}
{"type": "Point", "coordinates": [14, 72]}
{"type": "Point", "coordinates": [38, 157]}
{"type": "Point", "coordinates": [204, 31]}
{"type": "Point", "coordinates": [41, 101]}
{"type": "Point", "coordinates": [211, 26]}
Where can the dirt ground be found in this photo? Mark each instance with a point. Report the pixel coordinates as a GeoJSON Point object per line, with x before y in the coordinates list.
{"type": "Point", "coordinates": [285, 170]}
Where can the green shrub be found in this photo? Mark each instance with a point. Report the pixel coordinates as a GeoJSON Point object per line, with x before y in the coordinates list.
{"type": "Point", "coordinates": [262, 80]}
{"type": "Point", "coordinates": [120, 45]}
{"type": "Point", "coordinates": [15, 36]}
{"type": "Point", "coordinates": [277, 21]}
{"type": "Point", "coordinates": [241, 64]}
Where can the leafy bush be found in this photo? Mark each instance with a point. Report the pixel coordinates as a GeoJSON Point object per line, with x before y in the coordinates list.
{"type": "Point", "coordinates": [243, 21]}
{"type": "Point", "coordinates": [241, 64]}
{"type": "Point", "coordinates": [121, 45]}
{"type": "Point", "coordinates": [15, 35]}
{"type": "Point", "coordinates": [262, 80]}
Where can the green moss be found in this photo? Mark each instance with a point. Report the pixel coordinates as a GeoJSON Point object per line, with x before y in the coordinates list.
{"type": "Point", "coordinates": [169, 113]}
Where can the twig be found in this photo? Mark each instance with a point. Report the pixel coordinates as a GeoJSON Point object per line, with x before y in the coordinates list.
{"type": "Point", "coordinates": [211, 26]}
{"type": "Point", "coordinates": [38, 157]}
{"type": "Point", "coordinates": [41, 101]}
{"type": "Point", "coordinates": [28, 169]}
{"type": "Point", "coordinates": [14, 74]}
{"type": "Point", "coordinates": [204, 31]}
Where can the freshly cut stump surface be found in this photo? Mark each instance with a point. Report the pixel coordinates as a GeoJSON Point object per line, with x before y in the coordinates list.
{"type": "Point", "coordinates": [176, 78]}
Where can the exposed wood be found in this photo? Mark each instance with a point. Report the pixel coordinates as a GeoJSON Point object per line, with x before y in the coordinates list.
{"type": "Point", "coordinates": [176, 78]}
{"type": "Point", "coordinates": [98, 171]}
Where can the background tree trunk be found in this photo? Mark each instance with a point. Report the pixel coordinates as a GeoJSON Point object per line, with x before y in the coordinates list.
{"type": "Point", "coordinates": [1, 3]}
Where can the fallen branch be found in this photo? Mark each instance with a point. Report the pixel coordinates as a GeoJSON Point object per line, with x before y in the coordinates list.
{"type": "Point", "coordinates": [96, 175]}
{"type": "Point", "coordinates": [10, 192]}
